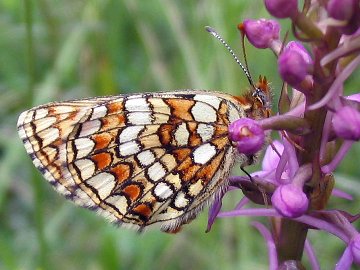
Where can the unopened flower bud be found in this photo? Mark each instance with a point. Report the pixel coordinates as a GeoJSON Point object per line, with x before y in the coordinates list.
{"type": "Point", "coordinates": [341, 9]}
{"type": "Point", "coordinates": [298, 47]}
{"type": "Point", "coordinates": [346, 123]}
{"type": "Point", "coordinates": [247, 134]}
{"type": "Point", "coordinates": [281, 8]}
{"type": "Point", "coordinates": [347, 11]}
{"type": "Point", "coordinates": [290, 200]}
{"type": "Point", "coordinates": [294, 64]}
{"type": "Point", "coordinates": [261, 33]}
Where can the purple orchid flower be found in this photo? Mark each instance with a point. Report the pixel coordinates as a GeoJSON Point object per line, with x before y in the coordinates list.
{"type": "Point", "coordinates": [296, 180]}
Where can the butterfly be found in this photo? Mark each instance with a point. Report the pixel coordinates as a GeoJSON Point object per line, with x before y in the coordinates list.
{"type": "Point", "coordinates": [142, 159]}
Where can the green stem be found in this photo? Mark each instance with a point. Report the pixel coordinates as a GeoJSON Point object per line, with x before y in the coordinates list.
{"type": "Point", "coordinates": [291, 240]}
{"type": "Point", "coordinates": [29, 49]}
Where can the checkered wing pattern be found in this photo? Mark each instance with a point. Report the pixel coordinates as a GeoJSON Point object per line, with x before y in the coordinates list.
{"type": "Point", "coordinates": [135, 159]}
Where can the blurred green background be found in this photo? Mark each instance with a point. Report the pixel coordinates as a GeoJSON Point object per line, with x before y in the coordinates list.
{"type": "Point", "coordinates": [58, 50]}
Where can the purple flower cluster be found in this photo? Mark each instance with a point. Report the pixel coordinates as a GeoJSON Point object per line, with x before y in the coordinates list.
{"type": "Point", "coordinates": [296, 180]}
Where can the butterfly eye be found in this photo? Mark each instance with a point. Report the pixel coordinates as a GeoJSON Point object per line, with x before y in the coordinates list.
{"type": "Point", "coordinates": [260, 97]}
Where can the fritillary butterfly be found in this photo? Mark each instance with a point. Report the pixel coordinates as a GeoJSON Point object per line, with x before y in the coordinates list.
{"type": "Point", "coordinates": [140, 159]}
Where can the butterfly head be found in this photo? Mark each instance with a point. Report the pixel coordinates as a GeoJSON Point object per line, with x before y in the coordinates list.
{"type": "Point", "coordinates": [261, 97]}
{"type": "Point", "coordinates": [257, 101]}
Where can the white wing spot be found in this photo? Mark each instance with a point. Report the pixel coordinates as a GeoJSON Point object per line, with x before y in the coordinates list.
{"type": "Point", "coordinates": [139, 118]}
{"type": "Point", "coordinates": [182, 135]}
{"type": "Point", "coordinates": [103, 183]}
{"type": "Point", "coordinates": [44, 123]}
{"type": "Point", "coordinates": [60, 109]}
{"type": "Point", "coordinates": [89, 128]}
{"type": "Point", "coordinates": [203, 112]}
{"type": "Point", "coordinates": [163, 191]}
{"type": "Point", "coordinates": [129, 148]}
{"type": "Point", "coordinates": [204, 153]}
{"type": "Point", "coordinates": [83, 147]}
{"type": "Point", "coordinates": [49, 135]}
{"type": "Point", "coordinates": [40, 113]}
{"type": "Point", "coordinates": [146, 157]}
{"type": "Point", "coordinates": [209, 99]}
{"type": "Point", "coordinates": [137, 105]}
{"type": "Point", "coordinates": [130, 133]}
{"type": "Point", "coordinates": [119, 202]}
{"type": "Point", "coordinates": [195, 188]}
{"type": "Point", "coordinates": [180, 200]}
{"type": "Point", "coordinates": [98, 112]}
{"type": "Point", "coordinates": [205, 131]}
{"type": "Point", "coordinates": [156, 171]}
{"type": "Point", "coordinates": [86, 168]}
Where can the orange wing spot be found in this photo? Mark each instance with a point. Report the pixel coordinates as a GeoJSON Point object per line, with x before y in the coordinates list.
{"type": "Point", "coordinates": [72, 115]}
{"type": "Point", "coordinates": [222, 114]}
{"type": "Point", "coordinates": [180, 108]}
{"type": "Point", "coordinates": [223, 108]}
{"type": "Point", "coordinates": [165, 133]}
{"type": "Point", "coordinates": [143, 209]}
{"type": "Point", "coordinates": [57, 142]}
{"type": "Point", "coordinates": [181, 153]}
{"type": "Point", "coordinates": [101, 140]}
{"type": "Point", "coordinates": [220, 142]}
{"type": "Point", "coordinates": [188, 169]}
{"type": "Point", "coordinates": [208, 172]}
{"type": "Point", "coordinates": [113, 121]}
{"type": "Point", "coordinates": [102, 160]}
{"type": "Point", "coordinates": [121, 118]}
{"type": "Point", "coordinates": [105, 122]}
{"type": "Point", "coordinates": [132, 191]}
{"type": "Point", "coordinates": [221, 131]}
{"type": "Point", "coordinates": [122, 172]}
{"type": "Point", "coordinates": [194, 138]}
{"type": "Point", "coordinates": [115, 107]}
{"type": "Point", "coordinates": [62, 116]}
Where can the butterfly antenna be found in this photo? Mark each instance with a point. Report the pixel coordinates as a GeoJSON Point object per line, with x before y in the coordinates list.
{"type": "Point", "coordinates": [215, 34]}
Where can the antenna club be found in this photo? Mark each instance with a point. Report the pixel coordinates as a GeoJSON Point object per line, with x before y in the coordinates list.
{"type": "Point", "coordinates": [210, 29]}
{"type": "Point", "coordinates": [241, 28]}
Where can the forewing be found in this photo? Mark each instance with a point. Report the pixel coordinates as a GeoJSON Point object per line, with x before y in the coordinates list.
{"type": "Point", "coordinates": [138, 159]}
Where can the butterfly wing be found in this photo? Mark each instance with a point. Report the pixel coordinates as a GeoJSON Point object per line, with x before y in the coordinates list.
{"type": "Point", "coordinates": [136, 159]}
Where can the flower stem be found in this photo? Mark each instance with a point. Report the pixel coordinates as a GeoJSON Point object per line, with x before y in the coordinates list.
{"type": "Point", "coordinates": [291, 240]}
